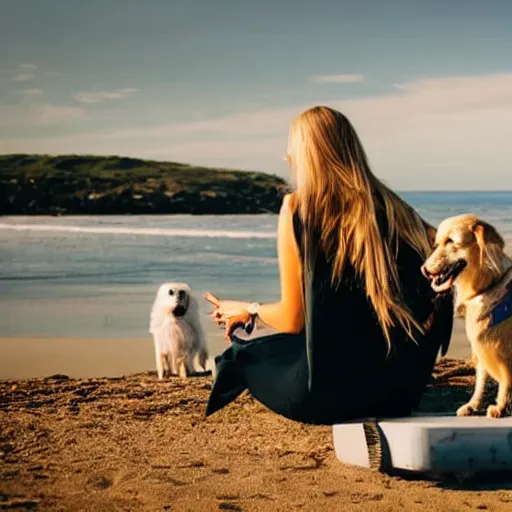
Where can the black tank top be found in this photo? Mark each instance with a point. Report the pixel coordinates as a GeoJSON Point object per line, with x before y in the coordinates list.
{"type": "Point", "coordinates": [346, 340]}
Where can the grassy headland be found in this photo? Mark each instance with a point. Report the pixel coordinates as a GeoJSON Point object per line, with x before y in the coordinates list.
{"type": "Point", "coordinates": [81, 184]}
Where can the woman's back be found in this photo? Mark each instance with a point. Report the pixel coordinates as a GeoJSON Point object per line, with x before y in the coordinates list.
{"type": "Point", "coordinates": [347, 346]}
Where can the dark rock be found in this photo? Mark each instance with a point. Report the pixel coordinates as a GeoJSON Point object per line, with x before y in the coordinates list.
{"type": "Point", "coordinates": [71, 184]}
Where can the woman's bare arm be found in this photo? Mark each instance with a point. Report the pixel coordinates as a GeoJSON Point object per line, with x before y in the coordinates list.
{"type": "Point", "coordinates": [287, 315]}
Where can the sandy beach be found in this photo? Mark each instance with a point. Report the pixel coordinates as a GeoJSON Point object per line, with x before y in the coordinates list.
{"type": "Point", "coordinates": [136, 444]}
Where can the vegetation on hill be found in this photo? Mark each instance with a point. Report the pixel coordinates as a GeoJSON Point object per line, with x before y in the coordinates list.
{"type": "Point", "coordinates": [76, 184]}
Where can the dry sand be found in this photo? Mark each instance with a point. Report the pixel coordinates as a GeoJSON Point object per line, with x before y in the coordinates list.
{"type": "Point", "coordinates": [136, 444]}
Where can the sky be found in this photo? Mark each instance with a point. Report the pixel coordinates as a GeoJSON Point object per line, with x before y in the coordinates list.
{"type": "Point", "coordinates": [427, 84]}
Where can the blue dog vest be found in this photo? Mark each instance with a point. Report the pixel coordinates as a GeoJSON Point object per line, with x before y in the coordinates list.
{"type": "Point", "coordinates": [503, 310]}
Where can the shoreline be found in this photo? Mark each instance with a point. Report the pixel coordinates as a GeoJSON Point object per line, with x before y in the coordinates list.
{"type": "Point", "coordinates": [137, 444]}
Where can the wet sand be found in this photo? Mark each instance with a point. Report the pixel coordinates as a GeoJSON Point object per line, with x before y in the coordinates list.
{"type": "Point", "coordinates": [136, 444]}
{"type": "Point", "coordinates": [22, 358]}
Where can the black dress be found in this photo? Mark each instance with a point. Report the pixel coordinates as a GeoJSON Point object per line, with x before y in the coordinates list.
{"type": "Point", "coordinates": [341, 370]}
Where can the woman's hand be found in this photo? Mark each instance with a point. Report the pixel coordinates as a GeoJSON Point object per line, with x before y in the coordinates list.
{"type": "Point", "coordinates": [229, 313]}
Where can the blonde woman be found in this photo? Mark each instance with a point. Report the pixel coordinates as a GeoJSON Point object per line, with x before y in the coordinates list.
{"type": "Point", "coordinates": [359, 327]}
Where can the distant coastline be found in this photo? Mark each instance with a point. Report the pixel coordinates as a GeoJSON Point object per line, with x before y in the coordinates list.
{"type": "Point", "coordinates": [112, 185]}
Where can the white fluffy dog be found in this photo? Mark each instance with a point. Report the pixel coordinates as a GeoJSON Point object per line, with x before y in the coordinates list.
{"type": "Point", "coordinates": [177, 332]}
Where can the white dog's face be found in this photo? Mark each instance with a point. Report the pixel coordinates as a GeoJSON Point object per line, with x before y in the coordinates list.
{"type": "Point", "coordinates": [176, 296]}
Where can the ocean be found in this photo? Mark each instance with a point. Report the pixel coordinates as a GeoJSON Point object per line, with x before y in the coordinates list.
{"type": "Point", "coordinates": [96, 276]}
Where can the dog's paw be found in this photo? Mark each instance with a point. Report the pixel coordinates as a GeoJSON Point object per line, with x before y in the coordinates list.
{"type": "Point", "coordinates": [466, 410]}
{"type": "Point", "coordinates": [494, 411]}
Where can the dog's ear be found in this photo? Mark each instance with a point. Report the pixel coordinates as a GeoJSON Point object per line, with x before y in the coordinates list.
{"type": "Point", "coordinates": [489, 241]}
{"type": "Point", "coordinates": [485, 234]}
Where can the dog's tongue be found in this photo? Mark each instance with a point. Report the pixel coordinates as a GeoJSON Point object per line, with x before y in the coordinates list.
{"type": "Point", "coordinates": [444, 287]}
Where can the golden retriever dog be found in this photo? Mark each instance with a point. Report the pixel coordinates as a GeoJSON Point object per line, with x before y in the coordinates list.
{"type": "Point", "coordinates": [469, 255]}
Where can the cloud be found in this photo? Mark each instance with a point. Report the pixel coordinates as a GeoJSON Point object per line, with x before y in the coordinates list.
{"type": "Point", "coordinates": [255, 123]}
{"type": "Point", "coordinates": [422, 101]}
{"type": "Point", "coordinates": [22, 77]}
{"type": "Point", "coordinates": [25, 73]}
{"type": "Point", "coordinates": [41, 114]}
{"type": "Point", "coordinates": [97, 97]}
{"type": "Point", "coordinates": [442, 133]}
{"type": "Point", "coordinates": [31, 92]}
{"type": "Point", "coordinates": [51, 114]}
{"type": "Point", "coordinates": [337, 79]}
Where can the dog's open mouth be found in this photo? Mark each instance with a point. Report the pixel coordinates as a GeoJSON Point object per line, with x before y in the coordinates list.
{"type": "Point", "coordinates": [443, 281]}
{"type": "Point", "coordinates": [179, 310]}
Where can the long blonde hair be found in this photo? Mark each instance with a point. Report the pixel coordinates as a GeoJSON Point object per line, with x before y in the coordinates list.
{"type": "Point", "coordinates": [338, 196]}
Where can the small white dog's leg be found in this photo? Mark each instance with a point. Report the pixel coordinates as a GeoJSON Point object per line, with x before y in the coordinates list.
{"type": "Point", "coordinates": [167, 364]}
{"type": "Point", "coordinates": [478, 394]}
{"type": "Point", "coordinates": [179, 362]}
{"type": "Point", "coordinates": [159, 366]}
{"type": "Point", "coordinates": [182, 370]}
{"type": "Point", "coordinates": [173, 364]}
